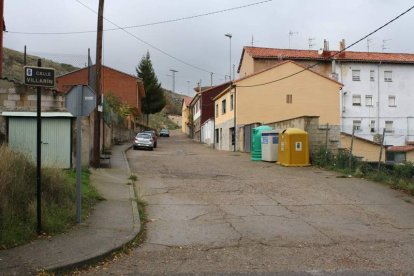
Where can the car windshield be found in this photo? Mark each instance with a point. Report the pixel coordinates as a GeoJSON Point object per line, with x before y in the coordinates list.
{"type": "Point", "coordinates": [144, 135]}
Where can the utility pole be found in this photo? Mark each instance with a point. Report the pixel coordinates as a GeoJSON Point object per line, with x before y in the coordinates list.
{"type": "Point", "coordinates": [211, 77]}
{"type": "Point", "coordinates": [2, 28]}
{"type": "Point", "coordinates": [173, 77]}
{"type": "Point", "coordinates": [97, 118]}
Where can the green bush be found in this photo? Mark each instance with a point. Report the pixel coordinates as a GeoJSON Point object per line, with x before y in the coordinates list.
{"type": "Point", "coordinates": [405, 170]}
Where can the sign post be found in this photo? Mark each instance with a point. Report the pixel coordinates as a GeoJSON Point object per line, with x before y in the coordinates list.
{"type": "Point", "coordinates": [80, 101]}
{"type": "Point", "coordinates": [40, 77]}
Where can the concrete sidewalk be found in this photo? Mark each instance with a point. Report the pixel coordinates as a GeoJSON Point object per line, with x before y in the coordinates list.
{"type": "Point", "coordinates": [113, 223]}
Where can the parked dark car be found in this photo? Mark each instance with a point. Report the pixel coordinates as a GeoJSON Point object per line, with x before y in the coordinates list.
{"type": "Point", "coordinates": [154, 136]}
{"type": "Point", "coordinates": [143, 140]}
{"type": "Point", "coordinates": [164, 133]}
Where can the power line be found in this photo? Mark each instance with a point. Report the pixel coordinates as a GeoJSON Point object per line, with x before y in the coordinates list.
{"type": "Point", "coordinates": [337, 53]}
{"type": "Point", "coordinates": [146, 24]}
{"type": "Point", "coordinates": [147, 43]}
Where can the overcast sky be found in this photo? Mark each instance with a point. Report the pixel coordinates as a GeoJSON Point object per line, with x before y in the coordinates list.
{"type": "Point", "coordinates": [201, 41]}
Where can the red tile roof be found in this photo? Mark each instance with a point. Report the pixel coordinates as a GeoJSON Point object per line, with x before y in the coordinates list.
{"type": "Point", "coordinates": [400, 148]}
{"type": "Point", "coordinates": [187, 100]}
{"type": "Point", "coordinates": [283, 54]}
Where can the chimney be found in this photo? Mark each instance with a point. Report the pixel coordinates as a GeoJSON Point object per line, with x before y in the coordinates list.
{"type": "Point", "coordinates": [325, 45]}
{"type": "Point", "coordinates": [342, 45]}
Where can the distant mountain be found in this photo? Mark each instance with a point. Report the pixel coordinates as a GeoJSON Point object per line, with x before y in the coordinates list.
{"type": "Point", "coordinates": [174, 101]}
{"type": "Point", "coordinates": [13, 62]}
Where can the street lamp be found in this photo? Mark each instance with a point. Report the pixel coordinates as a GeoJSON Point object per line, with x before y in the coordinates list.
{"type": "Point", "coordinates": [229, 36]}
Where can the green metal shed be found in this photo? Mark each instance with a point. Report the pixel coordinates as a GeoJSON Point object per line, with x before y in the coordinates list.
{"type": "Point", "coordinates": [56, 136]}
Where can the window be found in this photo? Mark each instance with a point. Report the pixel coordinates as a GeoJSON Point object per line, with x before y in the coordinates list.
{"type": "Point", "coordinates": [391, 101]}
{"type": "Point", "coordinates": [289, 98]}
{"type": "Point", "coordinates": [231, 102]}
{"type": "Point", "coordinates": [389, 126]}
{"type": "Point", "coordinates": [217, 135]}
{"type": "Point", "coordinates": [388, 76]}
{"type": "Point", "coordinates": [368, 100]}
{"type": "Point", "coordinates": [372, 126]}
{"type": "Point", "coordinates": [216, 110]}
{"type": "Point", "coordinates": [356, 100]}
{"type": "Point", "coordinates": [223, 107]}
{"type": "Point", "coordinates": [356, 124]}
{"type": "Point", "coordinates": [372, 75]}
{"type": "Point", "coordinates": [356, 75]}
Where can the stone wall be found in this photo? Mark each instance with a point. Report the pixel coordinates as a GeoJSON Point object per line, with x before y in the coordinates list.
{"type": "Point", "coordinates": [17, 97]}
{"type": "Point", "coordinates": [320, 136]}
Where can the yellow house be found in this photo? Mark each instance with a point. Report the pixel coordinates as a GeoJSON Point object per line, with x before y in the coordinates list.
{"type": "Point", "coordinates": [365, 149]}
{"type": "Point", "coordinates": [185, 115]}
{"type": "Point", "coordinates": [284, 91]}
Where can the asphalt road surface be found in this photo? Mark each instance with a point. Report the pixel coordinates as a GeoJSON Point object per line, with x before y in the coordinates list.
{"type": "Point", "coordinates": [218, 213]}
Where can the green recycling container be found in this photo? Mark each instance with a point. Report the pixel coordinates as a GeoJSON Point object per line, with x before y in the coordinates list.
{"type": "Point", "coordinates": [256, 149]}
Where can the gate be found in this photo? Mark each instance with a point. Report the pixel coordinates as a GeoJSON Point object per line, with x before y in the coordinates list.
{"type": "Point", "coordinates": [56, 139]}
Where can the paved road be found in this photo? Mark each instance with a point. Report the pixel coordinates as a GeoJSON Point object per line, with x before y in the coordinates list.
{"type": "Point", "coordinates": [217, 212]}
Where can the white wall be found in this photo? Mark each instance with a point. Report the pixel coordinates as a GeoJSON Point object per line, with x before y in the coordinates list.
{"type": "Point", "coordinates": [402, 87]}
{"type": "Point", "coordinates": [196, 109]}
{"type": "Point", "coordinates": [207, 132]}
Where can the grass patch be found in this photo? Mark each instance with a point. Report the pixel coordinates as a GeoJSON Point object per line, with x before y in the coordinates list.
{"type": "Point", "coordinates": [397, 176]}
{"type": "Point", "coordinates": [18, 220]}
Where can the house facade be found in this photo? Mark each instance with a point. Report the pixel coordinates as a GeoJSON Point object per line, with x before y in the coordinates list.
{"type": "Point", "coordinates": [202, 107]}
{"type": "Point", "coordinates": [259, 99]}
{"type": "Point", "coordinates": [376, 92]}
{"type": "Point", "coordinates": [185, 115]}
{"type": "Point", "coordinates": [129, 89]}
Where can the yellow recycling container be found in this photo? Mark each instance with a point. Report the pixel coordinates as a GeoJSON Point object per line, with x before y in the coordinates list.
{"type": "Point", "coordinates": [293, 149]}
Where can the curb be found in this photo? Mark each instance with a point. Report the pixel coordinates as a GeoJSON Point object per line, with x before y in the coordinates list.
{"type": "Point", "coordinates": [135, 232]}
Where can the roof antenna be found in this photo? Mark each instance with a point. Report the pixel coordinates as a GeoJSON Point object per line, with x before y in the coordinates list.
{"type": "Point", "coordinates": [252, 41]}
{"type": "Point", "coordinates": [291, 33]}
{"type": "Point", "coordinates": [310, 42]}
{"type": "Point", "coordinates": [384, 44]}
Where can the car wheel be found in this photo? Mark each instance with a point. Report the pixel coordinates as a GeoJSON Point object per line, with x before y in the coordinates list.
{"type": "Point", "coordinates": [151, 149]}
{"type": "Point", "coordinates": [135, 148]}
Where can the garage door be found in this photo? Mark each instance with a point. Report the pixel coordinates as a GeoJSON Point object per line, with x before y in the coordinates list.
{"type": "Point", "coordinates": [56, 137]}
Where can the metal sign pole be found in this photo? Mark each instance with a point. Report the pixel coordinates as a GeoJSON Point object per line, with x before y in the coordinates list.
{"type": "Point", "coordinates": [78, 156]}
{"type": "Point", "coordinates": [39, 156]}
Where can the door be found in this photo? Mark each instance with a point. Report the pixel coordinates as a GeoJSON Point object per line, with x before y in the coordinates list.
{"type": "Point", "coordinates": [247, 138]}
{"type": "Point", "coordinates": [56, 137]}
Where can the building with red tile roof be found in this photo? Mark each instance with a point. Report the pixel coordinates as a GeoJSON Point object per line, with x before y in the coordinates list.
{"type": "Point", "coordinates": [377, 92]}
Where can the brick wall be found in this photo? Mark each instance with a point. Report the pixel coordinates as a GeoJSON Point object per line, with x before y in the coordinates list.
{"type": "Point", "coordinates": [118, 83]}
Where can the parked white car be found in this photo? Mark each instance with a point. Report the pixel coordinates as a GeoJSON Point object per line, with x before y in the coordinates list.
{"type": "Point", "coordinates": [143, 140]}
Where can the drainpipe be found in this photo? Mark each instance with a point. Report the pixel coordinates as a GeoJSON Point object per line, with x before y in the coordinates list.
{"type": "Point", "coordinates": [234, 110]}
{"type": "Point", "coordinates": [378, 99]}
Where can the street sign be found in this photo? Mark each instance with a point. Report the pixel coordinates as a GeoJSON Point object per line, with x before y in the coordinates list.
{"type": "Point", "coordinates": [39, 76]}
{"type": "Point", "coordinates": [82, 106]}
{"type": "Point", "coordinates": [80, 101]}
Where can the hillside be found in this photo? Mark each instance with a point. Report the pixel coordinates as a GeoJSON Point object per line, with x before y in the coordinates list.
{"type": "Point", "coordinates": [174, 101]}
{"type": "Point", "coordinates": [14, 62]}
